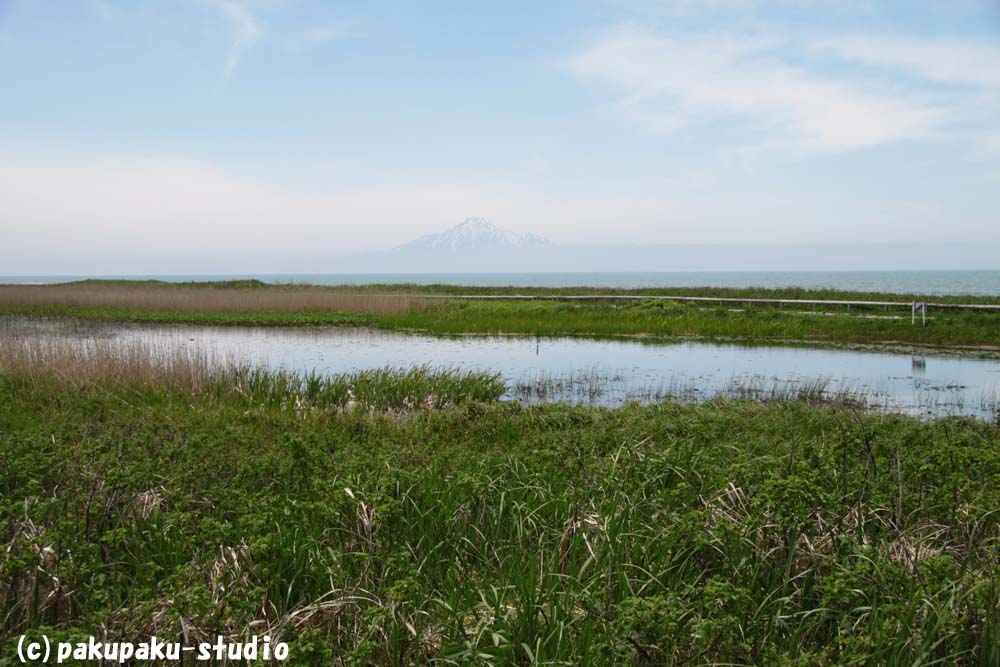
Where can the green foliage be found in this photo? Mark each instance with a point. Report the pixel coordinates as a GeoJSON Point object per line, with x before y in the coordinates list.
{"type": "Point", "coordinates": [489, 533]}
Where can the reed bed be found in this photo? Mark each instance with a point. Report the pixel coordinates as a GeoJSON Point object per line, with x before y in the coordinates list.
{"type": "Point", "coordinates": [292, 299]}
{"type": "Point", "coordinates": [105, 361]}
{"type": "Point", "coordinates": [139, 365]}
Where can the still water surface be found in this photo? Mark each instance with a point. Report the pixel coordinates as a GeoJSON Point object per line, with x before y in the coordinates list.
{"type": "Point", "coordinates": [585, 370]}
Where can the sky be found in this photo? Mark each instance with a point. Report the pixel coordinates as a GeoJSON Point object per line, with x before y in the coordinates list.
{"type": "Point", "coordinates": [275, 135]}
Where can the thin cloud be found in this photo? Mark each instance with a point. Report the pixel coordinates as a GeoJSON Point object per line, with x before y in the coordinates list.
{"type": "Point", "coordinates": [675, 81]}
{"type": "Point", "coordinates": [945, 60]}
{"type": "Point", "coordinates": [247, 31]}
{"type": "Point", "coordinates": [965, 72]}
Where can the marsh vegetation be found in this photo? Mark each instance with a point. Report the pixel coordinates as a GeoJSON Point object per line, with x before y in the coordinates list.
{"type": "Point", "coordinates": [731, 532]}
{"type": "Point", "coordinates": [407, 516]}
{"type": "Point", "coordinates": [235, 297]}
{"type": "Point", "coordinates": [404, 307]}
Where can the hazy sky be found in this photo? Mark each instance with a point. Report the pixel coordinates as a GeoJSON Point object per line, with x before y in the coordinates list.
{"type": "Point", "coordinates": [163, 134]}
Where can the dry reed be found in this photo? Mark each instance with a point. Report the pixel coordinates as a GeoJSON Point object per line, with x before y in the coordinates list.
{"type": "Point", "coordinates": [136, 364]}
{"type": "Point", "coordinates": [110, 362]}
{"type": "Point", "coordinates": [205, 299]}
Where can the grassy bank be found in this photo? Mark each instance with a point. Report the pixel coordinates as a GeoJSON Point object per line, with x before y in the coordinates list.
{"type": "Point", "coordinates": [489, 533]}
{"type": "Point", "coordinates": [303, 306]}
{"type": "Point", "coordinates": [657, 318]}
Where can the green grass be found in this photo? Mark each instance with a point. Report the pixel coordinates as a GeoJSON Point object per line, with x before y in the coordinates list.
{"type": "Point", "coordinates": [489, 533]}
{"type": "Point", "coordinates": [658, 318]}
{"type": "Point", "coordinates": [642, 318]}
{"type": "Point", "coordinates": [381, 389]}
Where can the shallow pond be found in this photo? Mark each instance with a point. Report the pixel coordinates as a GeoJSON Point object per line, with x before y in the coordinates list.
{"type": "Point", "coordinates": [585, 370]}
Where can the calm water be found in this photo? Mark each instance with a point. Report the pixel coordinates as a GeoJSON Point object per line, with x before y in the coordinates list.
{"type": "Point", "coordinates": [985, 283]}
{"type": "Point", "coordinates": [580, 370]}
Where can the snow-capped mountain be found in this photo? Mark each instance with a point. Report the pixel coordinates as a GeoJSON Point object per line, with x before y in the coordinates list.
{"type": "Point", "coordinates": [475, 234]}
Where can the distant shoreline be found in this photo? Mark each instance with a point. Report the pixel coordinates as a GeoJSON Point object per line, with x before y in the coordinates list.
{"type": "Point", "coordinates": [929, 282]}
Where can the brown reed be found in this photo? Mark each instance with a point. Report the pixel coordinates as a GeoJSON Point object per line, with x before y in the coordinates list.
{"type": "Point", "coordinates": [205, 299]}
{"type": "Point", "coordinates": [110, 362]}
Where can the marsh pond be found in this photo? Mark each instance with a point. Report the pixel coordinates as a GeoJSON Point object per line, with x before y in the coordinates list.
{"type": "Point", "coordinates": [608, 372]}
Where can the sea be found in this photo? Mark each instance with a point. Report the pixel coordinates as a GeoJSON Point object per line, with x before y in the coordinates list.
{"type": "Point", "coordinates": [980, 283]}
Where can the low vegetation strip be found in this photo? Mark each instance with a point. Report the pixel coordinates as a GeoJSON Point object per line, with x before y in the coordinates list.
{"type": "Point", "coordinates": [263, 305]}
{"type": "Point", "coordinates": [490, 533]}
{"type": "Point", "coordinates": [669, 319]}
{"type": "Point", "coordinates": [741, 293]}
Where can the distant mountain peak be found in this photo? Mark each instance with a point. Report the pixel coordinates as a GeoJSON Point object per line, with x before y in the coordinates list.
{"type": "Point", "coordinates": [476, 234]}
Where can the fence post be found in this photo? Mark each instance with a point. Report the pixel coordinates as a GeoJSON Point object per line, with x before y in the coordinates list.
{"type": "Point", "coordinates": [923, 310]}
{"type": "Point", "coordinates": [913, 313]}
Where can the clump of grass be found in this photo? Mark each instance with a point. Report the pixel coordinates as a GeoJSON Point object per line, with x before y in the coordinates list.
{"type": "Point", "coordinates": [578, 386]}
{"type": "Point", "coordinates": [814, 391]}
{"type": "Point", "coordinates": [381, 389]}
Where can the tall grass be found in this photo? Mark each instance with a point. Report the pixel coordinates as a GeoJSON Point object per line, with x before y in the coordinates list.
{"type": "Point", "coordinates": [202, 299]}
{"type": "Point", "coordinates": [105, 361]}
{"type": "Point", "coordinates": [108, 363]}
{"type": "Point", "coordinates": [731, 533]}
